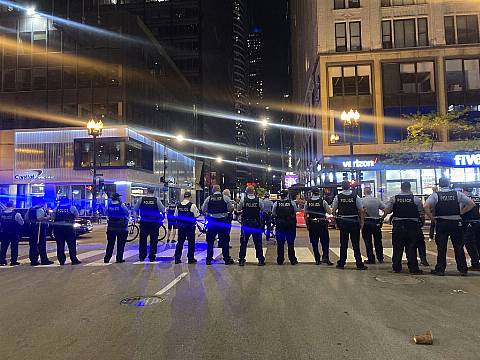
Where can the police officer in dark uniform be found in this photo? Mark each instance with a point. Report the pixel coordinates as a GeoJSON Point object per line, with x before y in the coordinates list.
{"type": "Point", "coordinates": [316, 210]}
{"type": "Point", "coordinates": [284, 212]}
{"type": "Point", "coordinates": [186, 214]}
{"type": "Point", "coordinates": [407, 212]}
{"type": "Point", "coordinates": [216, 207]}
{"type": "Point", "coordinates": [37, 219]}
{"type": "Point", "coordinates": [350, 216]}
{"type": "Point", "coordinates": [10, 224]}
{"type": "Point", "coordinates": [172, 222]}
{"type": "Point", "coordinates": [445, 208]}
{"type": "Point", "coordinates": [471, 230]}
{"type": "Point", "coordinates": [117, 228]}
{"type": "Point", "coordinates": [64, 218]}
{"type": "Point", "coordinates": [151, 212]}
{"type": "Point", "coordinates": [251, 207]}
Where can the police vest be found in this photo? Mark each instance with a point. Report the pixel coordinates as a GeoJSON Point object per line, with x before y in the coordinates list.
{"type": "Point", "coordinates": [171, 210]}
{"type": "Point", "coordinates": [149, 209]}
{"type": "Point", "coordinates": [285, 213]}
{"type": "Point", "coordinates": [117, 219]}
{"type": "Point", "coordinates": [447, 204]}
{"type": "Point", "coordinates": [8, 223]}
{"type": "Point", "coordinates": [32, 214]}
{"type": "Point", "coordinates": [316, 210]}
{"type": "Point", "coordinates": [251, 210]}
{"type": "Point", "coordinates": [347, 204]}
{"type": "Point", "coordinates": [405, 207]}
{"type": "Point", "coordinates": [473, 214]}
{"type": "Point", "coordinates": [63, 215]}
{"type": "Point", "coordinates": [185, 217]}
{"type": "Point", "coordinates": [217, 205]}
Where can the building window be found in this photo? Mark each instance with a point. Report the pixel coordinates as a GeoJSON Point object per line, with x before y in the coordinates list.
{"type": "Point", "coordinates": [461, 29]}
{"type": "Point", "coordinates": [341, 37]}
{"type": "Point", "coordinates": [354, 35]}
{"type": "Point", "coordinates": [350, 87]}
{"type": "Point", "coordinates": [408, 88]}
{"type": "Point", "coordinates": [406, 33]}
{"type": "Point", "coordinates": [387, 40]}
{"type": "Point", "coordinates": [462, 78]}
{"type": "Point", "coordinates": [402, 2]}
{"type": "Point", "coordinates": [39, 79]}
{"type": "Point", "coordinates": [344, 4]}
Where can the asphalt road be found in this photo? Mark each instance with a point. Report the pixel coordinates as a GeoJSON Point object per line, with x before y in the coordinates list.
{"type": "Point", "coordinates": [273, 312]}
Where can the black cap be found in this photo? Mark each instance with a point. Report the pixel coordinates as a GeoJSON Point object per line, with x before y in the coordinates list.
{"type": "Point", "coordinates": [316, 191]}
{"type": "Point", "coordinates": [346, 185]}
{"type": "Point", "coordinates": [284, 194]}
{"type": "Point", "coordinates": [116, 196]}
{"type": "Point", "coordinates": [187, 194]}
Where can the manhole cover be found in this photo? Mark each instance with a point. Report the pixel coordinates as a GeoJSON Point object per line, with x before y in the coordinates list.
{"type": "Point", "coordinates": [399, 280]}
{"type": "Point", "coordinates": [142, 300]}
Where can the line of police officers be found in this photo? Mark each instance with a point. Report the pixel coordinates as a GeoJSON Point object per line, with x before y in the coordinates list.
{"type": "Point", "coordinates": [455, 214]}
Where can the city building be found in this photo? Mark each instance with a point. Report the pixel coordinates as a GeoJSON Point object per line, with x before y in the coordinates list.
{"type": "Point", "coordinates": [56, 162]}
{"type": "Point", "coordinates": [119, 74]}
{"type": "Point", "coordinates": [385, 59]}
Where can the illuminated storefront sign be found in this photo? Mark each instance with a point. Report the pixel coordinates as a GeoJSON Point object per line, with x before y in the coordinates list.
{"type": "Point", "coordinates": [359, 163]}
{"type": "Point", "coordinates": [290, 179]}
{"type": "Point", "coordinates": [33, 175]}
{"type": "Point", "coordinates": [467, 160]}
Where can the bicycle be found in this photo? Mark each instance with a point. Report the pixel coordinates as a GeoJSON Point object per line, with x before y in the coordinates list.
{"type": "Point", "coordinates": [134, 231]}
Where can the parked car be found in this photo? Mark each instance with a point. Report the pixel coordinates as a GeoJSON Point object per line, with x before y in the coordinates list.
{"type": "Point", "coordinates": [81, 226]}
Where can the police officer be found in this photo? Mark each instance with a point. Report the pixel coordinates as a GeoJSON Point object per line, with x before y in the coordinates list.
{"type": "Point", "coordinates": [251, 207]}
{"type": "Point", "coordinates": [37, 218]}
{"type": "Point", "coordinates": [316, 210]}
{"type": "Point", "coordinates": [64, 217]}
{"type": "Point", "coordinates": [349, 211]}
{"type": "Point", "coordinates": [117, 228]}
{"type": "Point", "coordinates": [172, 223]}
{"type": "Point", "coordinates": [151, 212]}
{"type": "Point", "coordinates": [10, 224]}
{"type": "Point", "coordinates": [226, 192]}
{"type": "Point", "coordinates": [407, 212]}
{"type": "Point", "coordinates": [267, 215]}
{"type": "Point", "coordinates": [216, 207]}
{"type": "Point", "coordinates": [445, 208]}
{"type": "Point", "coordinates": [471, 230]}
{"type": "Point", "coordinates": [373, 226]}
{"type": "Point", "coordinates": [186, 214]}
{"type": "Point", "coordinates": [284, 212]}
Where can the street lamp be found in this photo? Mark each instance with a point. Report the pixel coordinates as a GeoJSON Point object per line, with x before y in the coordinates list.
{"type": "Point", "coordinates": [350, 122]}
{"type": "Point", "coordinates": [219, 159]}
{"type": "Point", "coordinates": [180, 138]}
{"type": "Point", "coordinates": [95, 129]}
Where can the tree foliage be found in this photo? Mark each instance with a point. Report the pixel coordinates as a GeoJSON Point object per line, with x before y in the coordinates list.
{"type": "Point", "coordinates": [426, 131]}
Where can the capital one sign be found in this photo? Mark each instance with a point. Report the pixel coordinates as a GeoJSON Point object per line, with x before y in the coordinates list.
{"type": "Point", "coordinates": [467, 160]}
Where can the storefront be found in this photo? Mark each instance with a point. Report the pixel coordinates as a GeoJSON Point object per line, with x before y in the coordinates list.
{"type": "Point", "coordinates": [51, 163]}
{"type": "Point", "coordinates": [384, 175]}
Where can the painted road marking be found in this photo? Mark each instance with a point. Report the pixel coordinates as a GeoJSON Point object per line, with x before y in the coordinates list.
{"type": "Point", "coordinates": [251, 254]}
{"type": "Point", "coordinates": [350, 255]}
{"type": "Point", "coordinates": [304, 255]}
{"type": "Point", "coordinates": [171, 284]}
{"type": "Point", "coordinates": [389, 252]}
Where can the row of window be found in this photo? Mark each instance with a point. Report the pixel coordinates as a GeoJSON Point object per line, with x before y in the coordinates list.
{"type": "Point", "coordinates": [407, 33]}
{"type": "Point", "coordinates": [349, 4]}
{"type": "Point", "coordinates": [408, 88]}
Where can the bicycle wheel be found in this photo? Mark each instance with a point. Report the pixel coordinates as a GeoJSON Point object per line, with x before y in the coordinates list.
{"type": "Point", "coordinates": [162, 232]}
{"type": "Point", "coordinates": [133, 231]}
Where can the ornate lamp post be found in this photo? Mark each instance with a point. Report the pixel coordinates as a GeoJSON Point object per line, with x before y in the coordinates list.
{"type": "Point", "coordinates": [350, 122]}
{"type": "Point", "coordinates": [95, 129]}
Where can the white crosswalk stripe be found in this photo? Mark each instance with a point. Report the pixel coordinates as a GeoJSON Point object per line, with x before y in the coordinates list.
{"type": "Point", "coordinates": [389, 252]}
{"type": "Point", "coordinates": [304, 255]}
{"type": "Point", "coordinates": [350, 255]}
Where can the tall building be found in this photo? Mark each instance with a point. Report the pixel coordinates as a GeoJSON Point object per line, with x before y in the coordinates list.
{"type": "Point", "coordinates": [61, 69]}
{"type": "Point", "coordinates": [386, 59]}
{"type": "Point", "coordinates": [255, 59]}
